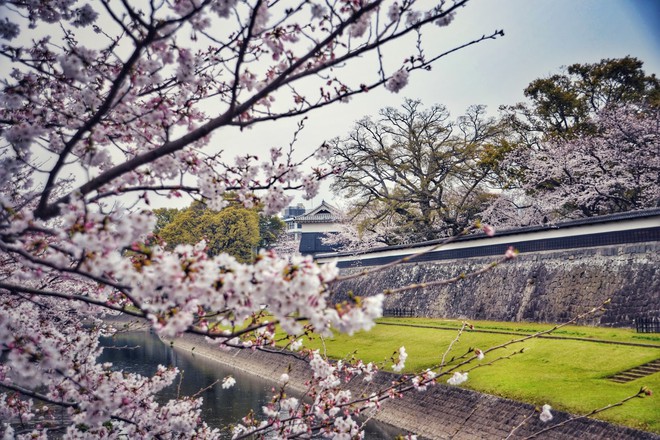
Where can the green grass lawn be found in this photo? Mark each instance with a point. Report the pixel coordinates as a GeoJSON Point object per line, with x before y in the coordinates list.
{"type": "Point", "coordinates": [568, 374]}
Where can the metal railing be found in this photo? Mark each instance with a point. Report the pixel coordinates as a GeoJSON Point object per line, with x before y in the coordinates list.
{"type": "Point", "coordinates": [399, 312]}
{"type": "Point", "coordinates": [647, 325]}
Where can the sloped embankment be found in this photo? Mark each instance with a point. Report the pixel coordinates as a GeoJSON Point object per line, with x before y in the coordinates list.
{"type": "Point", "coordinates": [439, 413]}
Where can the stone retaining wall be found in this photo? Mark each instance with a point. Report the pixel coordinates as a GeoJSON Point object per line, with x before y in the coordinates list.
{"type": "Point", "coordinates": [542, 287]}
{"type": "Point", "coordinates": [441, 412]}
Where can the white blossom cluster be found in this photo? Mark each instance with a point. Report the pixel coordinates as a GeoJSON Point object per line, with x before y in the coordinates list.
{"type": "Point", "coordinates": [458, 378]}
{"type": "Point", "coordinates": [401, 360]}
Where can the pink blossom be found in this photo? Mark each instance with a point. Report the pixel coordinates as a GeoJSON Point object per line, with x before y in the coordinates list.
{"type": "Point", "coordinates": [397, 81]}
{"type": "Point", "coordinates": [296, 345]}
{"type": "Point", "coordinates": [446, 19]}
{"type": "Point", "coordinates": [261, 18]}
{"type": "Point", "coordinates": [85, 16]}
{"type": "Point", "coordinates": [223, 7]}
{"type": "Point", "coordinates": [72, 66]}
{"type": "Point", "coordinates": [318, 11]}
{"type": "Point", "coordinates": [511, 253]}
{"type": "Point", "coordinates": [359, 28]}
{"type": "Point", "coordinates": [394, 12]}
{"type": "Point", "coordinates": [9, 30]}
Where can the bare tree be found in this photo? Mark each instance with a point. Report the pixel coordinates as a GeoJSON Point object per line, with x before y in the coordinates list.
{"type": "Point", "coordinates": [418, 169]}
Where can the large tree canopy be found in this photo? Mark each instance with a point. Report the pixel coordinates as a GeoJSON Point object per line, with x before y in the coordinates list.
{"type": "Point", "coordinates": [418, 169]}
{"type": "Point", "coordinates": [586, 144]}
{"type": "Point", "coordinates": [234, 230]}
{"type": "Point", "coordinates": [564, 104]}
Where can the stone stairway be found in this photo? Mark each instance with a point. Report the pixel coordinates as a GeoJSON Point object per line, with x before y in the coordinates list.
{"type": "Point", "coordinates": [637, 373]}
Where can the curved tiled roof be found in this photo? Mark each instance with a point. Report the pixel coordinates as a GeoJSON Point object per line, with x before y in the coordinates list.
{"type": "Point", "coordinates": [316, 218]}
{"type": "Point", "coordinates": [324, 213]}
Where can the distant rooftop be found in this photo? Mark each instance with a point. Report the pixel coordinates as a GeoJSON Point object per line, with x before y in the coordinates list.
{"type": "Point", "coordinates": [324, 213]}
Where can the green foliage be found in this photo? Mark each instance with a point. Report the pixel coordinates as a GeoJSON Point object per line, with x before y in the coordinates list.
{"type": "Point", "coordinates": [270, 229]}
{"type": "Point", "coordinates": [570, 374]}
{"type": "Point", "coordinates": [164, 216]}
{"type": "Point", "coordinates": [569, 149]}
{"type": "Point", "coordinates": [234, 230]}
{"type": "Point", "coordinates": [562, 104]}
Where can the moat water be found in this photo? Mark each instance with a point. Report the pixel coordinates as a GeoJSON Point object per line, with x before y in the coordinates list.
{"type": "Point", "coordinates": [142, 352]}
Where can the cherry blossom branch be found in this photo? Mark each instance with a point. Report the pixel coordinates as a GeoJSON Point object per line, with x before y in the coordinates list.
{"type": "Point", "coordinates": [42, 207]}
{"type": "Point", "coordinates": [35, 395]}
{"type": "Point", "coordinates": [45, 212]}
{"type": "Point", "coordinates": [451, 344]}
{"type": "Point", "coordinates": [518, 426]}
{"type": "Point", "coordinates": [11, 288]}
{"type": "Point", "coordinates": [644, 391]}
{"type": "Point", "coordinates": [46, 399]}
{"type": "Point", "coordinates": [183, 188]}
{"type": "Point", "coordinates": [350, 93]}
{"type": "Point", "coordinates": [103, 281]}
{"type": "Point", "coordinates": [241, 55]}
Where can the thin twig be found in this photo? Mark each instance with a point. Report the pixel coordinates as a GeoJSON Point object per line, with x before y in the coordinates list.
{"type": "Point", "coordinates": [641, 393]}
{"type": "Point", "coordinates": [405, 259]}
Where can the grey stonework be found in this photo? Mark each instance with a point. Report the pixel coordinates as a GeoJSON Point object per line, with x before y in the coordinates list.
{"type": "Point", "coordinates": [541, 287]}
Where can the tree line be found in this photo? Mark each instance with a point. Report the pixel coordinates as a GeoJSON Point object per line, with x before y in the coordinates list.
{"type": "Point", "coordinates": [584, 144]}
{"type": "Point", "coordinates": [235, 230]}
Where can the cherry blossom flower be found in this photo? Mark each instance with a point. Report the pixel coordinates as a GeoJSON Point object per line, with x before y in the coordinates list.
{"type": "Point", "coordinates": [72, 67]}
{"type": "Point", "coordinates": [359, 28]}
{"type": "Point", "coordinates": [228, 382]}
{"type": "Point", "coordinates": [8, 30]}
{"type": "Point", "coordinates": [401, 361]}
{"type": "Point", "coordinates": [318, 11]}
{"type": "Point", "coordinates": [511, 253]}
{"type": "Point", "coordinates": [446, 19]}
{"type": "Point", "coordinates": [394, 12]}
{"type": "Point", "coordinates": [458, 378]}
{"type": "Point", "coordinates": [398, 81]}
{"type": "Point", "coordinates": [296, 345]}
{"type": "Point", "coordinates": [546, 415]}
{"type": "Point", "coordinates": [85, 16]}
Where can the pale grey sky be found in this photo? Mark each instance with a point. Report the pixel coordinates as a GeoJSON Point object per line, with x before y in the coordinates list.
{"type": "Point", "coordinates": [540, 37]}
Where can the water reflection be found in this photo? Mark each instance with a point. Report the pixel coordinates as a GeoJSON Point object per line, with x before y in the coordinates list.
{"type": "Point", "coordinates": [142, 352]}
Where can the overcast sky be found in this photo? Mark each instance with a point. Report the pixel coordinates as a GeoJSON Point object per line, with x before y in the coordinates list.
{"type": "Point", "coordinates": [540, 37]}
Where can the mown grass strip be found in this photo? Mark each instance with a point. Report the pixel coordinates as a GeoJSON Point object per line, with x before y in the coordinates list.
{"type": "Point", "coordinates": [569, 373]}
{"type": "Point", "coordinates": [518, 333]}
